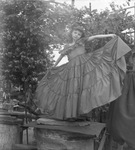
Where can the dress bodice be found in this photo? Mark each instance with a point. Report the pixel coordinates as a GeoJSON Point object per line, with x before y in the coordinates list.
{"type": "Point", "coordinates": [75, 52]}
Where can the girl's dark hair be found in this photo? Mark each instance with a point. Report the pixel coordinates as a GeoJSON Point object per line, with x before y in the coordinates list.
{"type": "Point", "coordinates": [78, 28]}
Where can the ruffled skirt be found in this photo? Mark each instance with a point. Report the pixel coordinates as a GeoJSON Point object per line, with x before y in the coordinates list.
{"type": "Point", "coordinates": [87, 81]}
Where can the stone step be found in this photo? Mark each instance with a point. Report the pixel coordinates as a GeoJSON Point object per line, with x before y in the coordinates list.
{"type": "Point", "coordinates": [24, 147]}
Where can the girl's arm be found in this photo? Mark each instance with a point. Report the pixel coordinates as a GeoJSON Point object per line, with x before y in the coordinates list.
{"type": "Point", "coordinates": [101, 36]}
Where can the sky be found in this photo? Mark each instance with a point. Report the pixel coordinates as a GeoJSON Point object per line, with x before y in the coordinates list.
{"type": "Point", "coordinates": [95, 4]}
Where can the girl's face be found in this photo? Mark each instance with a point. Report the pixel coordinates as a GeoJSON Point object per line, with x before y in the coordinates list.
{"type": "Point", "coordinates": [76, 35]}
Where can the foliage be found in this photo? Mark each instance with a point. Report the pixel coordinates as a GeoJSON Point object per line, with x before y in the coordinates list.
{"type": "Point", "coordinates": [26, 54]}
{"type": "Point", "coordinates": [107, 21]}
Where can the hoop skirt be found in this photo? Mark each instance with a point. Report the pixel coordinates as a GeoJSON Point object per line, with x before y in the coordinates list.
{"type": "Point", "coordinates": [87, 81]}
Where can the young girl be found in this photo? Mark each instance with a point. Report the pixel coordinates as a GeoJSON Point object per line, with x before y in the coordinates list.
{"type": "Point", "coordinates": [87, 81]}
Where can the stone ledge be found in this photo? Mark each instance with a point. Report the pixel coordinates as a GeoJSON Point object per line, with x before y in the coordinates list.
{"type": "Point", "coordinates": [24, 147]}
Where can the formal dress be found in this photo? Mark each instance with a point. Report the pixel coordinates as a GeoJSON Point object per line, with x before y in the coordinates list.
{"type": "Point", "coordinates": [87, 81]}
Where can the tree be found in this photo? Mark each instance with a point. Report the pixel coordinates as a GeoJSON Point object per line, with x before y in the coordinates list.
{"type": "Point", "coordinates": [26, 54]}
